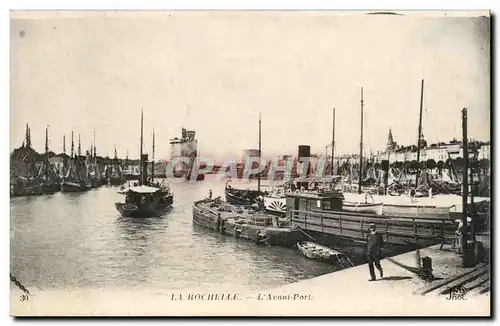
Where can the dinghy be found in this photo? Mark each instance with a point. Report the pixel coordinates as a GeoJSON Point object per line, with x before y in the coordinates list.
{"type": "Point", "coordinates": [321, 253]}
{"type": "Point", "coordinates": [375, 208]}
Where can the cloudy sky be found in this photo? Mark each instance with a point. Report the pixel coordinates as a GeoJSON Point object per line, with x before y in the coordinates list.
{"type": "Point", "coordinates": [215, 71]}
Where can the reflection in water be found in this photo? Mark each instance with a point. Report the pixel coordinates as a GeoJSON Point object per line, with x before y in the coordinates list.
{"type": "Point", "coordinates": [80, 240]}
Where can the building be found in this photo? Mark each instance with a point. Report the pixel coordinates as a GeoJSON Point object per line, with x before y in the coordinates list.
{"type": "Point", "coordinates": [186, 146]}
{"type": "Point", "coordinates": [439, 152]}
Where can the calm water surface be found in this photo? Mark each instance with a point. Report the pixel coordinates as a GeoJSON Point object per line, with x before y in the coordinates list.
{"type": "Point", "coordinates": [80, 241]}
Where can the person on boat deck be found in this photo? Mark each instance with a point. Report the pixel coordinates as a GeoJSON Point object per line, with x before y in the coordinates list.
{"type": "Point", "coordinates": [210, 194]}
{"type": "Point", "coordinates": [374, 243]}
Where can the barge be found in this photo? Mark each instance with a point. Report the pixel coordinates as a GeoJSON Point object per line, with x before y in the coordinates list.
{"type": "Point", "coordinates": [245, 223]}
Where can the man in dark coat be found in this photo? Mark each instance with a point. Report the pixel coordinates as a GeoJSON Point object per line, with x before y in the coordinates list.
{"type": "Point", "coordinates": [374, 244]}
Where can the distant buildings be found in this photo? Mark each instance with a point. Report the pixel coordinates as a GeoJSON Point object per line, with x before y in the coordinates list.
{"type": "Point", "coordinates": [439, 152]}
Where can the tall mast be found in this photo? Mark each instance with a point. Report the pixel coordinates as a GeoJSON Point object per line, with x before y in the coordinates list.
{"type": "Point", "coordinates": [46, 140]}
{"type": "Point", "coordinates": [79, 146]}
{"type": "Point", "coordinates": [94, 149]}
{"type": "Point", "coordinates": [260, 155]}
{"type": "Point", "coordinates": [46, 151]}
{"type": "Point", "coordinates": [140, 157]}
{"type": "Point", "coordinates": [64, 144]}
{"type": "Point", "coordinates": [333, 142]}
{"type": "Point", "coordinates": [153, 159]}
{"type": "Point", "coordinates": [361, 146]}
{"type": "Point", "coordinates": [72, 145]}
{"type": "Point", "coordinates": [419, 131]}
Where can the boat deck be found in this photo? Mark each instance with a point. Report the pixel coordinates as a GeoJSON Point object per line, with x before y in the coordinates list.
{"type": "Point", "coordinates": [258, 227]}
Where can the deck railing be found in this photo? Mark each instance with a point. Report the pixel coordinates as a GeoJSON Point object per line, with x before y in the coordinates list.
{"type": "Point", "coordinates": [397, 230]}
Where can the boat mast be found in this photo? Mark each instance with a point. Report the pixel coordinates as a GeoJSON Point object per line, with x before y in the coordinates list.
{"type": "Point", "coordinates": [333, 142]}
{"type": "Point", "coordinates": [94, 151]}
{"type": "Point", "coordinates": [361, 146]}
{"type": "Point", "coordinates": [64, 144]}
{"type": "Point", "coordinates": [72, 146]}
{"type": "Point", "coordinates": [46, 151]}
{"type": "Point", "coordinates": [260, 155]}
{"type": "Point", "coordinates": [419, 132]}
{"type": "Point", "coordinates": [141, 181]}
{"type": "Point", "coordinates": [79, 146]}
{"type": "Point", "coordinates": [153, 159]}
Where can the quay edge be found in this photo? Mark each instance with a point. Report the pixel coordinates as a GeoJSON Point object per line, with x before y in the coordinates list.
{"type": "Point", "coordinates": [347, 292]}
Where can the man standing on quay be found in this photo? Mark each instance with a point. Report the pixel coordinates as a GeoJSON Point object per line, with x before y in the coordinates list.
{"type": "Point", "coordinates": [374, 251]}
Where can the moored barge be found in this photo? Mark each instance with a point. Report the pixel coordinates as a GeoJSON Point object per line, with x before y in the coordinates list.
{"type": "Point", "coordinates": [245, 223]}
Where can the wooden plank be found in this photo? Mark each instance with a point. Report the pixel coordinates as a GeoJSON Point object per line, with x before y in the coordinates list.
{"type": "Point", "coordinates": [437, 284]}
{"type": "Point", "coordinates": [331, 229]}
{"type": "Point", "coordinates": [481, 289]}
{"type": "Point", "coordinates": [479, 281]}
{"type": "Point", "coordinates": [464, 279]}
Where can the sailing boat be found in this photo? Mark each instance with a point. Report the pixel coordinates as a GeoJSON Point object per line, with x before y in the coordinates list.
{"type": "Point", "coordinates": [49, 181]}
{"type": "Point", "coordinates": [23, 174]}
{"type": "Point", "coordinates": [76, 179]}
{"type": "Point", "coordinates": [148, 198]}
{"type": "Point", "coordinates": [272, 197]}
{"type": "Point", "coordinates": [95, 176]}
{"type": "Point", "coordinates": [114, 172]}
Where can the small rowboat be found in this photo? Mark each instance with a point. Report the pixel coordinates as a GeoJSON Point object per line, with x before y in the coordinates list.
{"type": "Point", "coordinates": [321, 253]}
{"type": "Point", "coordinates": [375, 208]}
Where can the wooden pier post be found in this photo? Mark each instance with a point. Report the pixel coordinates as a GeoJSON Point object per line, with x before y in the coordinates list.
{"type": "Point", "coordinates": [468, 248]}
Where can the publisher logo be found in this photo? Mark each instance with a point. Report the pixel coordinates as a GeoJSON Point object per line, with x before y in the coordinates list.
{"type": "Point", "coordinates": [457, 293]}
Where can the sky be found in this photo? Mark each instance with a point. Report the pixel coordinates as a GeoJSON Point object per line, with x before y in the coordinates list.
{"type": "Point", "coordinates": [215, 72]}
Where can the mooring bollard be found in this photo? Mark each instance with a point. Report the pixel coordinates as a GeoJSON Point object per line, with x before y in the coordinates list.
{"type": "Point", "coordinates": [426, 271]}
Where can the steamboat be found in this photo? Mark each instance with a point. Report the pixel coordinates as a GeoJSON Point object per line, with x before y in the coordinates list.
{"type": "Point", "coordinates": [147, 197]}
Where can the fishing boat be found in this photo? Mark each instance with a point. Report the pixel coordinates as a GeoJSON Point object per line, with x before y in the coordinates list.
{"type": "Point", "coordinates": [95, 176]}
{"type": "Point", "coordinates": [77, 178]}
{"type": "Point", "coordinates": [147, 197]}
{"type": "Point", "coordinates": [249, 196]}
{"type": "Point", "coordinates": [145, 201]}
{"type": "Point", "coordinates": [244, 197]}
{"type": "Point", "coordinates": [48, 179]}
{"type": "Point", "coordinates": [318, 252]}
{"type": "Point", "coordinates": [113, 173]}
{"type": "Point", "coordinates": [23, 170]}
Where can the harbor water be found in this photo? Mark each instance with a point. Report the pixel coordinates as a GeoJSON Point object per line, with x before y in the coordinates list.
{"type": "Point", "coordinates": [79, 241]}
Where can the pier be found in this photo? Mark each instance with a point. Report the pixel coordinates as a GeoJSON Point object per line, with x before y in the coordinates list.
{"type": "Point", "coordinates": [400, 293]}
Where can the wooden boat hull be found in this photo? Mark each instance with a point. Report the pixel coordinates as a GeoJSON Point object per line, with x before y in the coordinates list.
{"type": "Point", "coordinates": [51, 188]}
{"type": "Point", "coordinates": [96, 183]}
{"type": "Point", "coordinates": [153, 209]}
{"type": "Point", "coordinates": [237, 200]}
{"type": "Point", "coordinates": [206, 217]}
{"type": "Point", "coordinates": [317, 252]}
{"type": "Point", "coordinates": [376, 208]}
{"type": "Point", "coordinates": [73, 187]}
{"type": "Point", "coordinates": [26, 190]}
{"type": "Point", "coordinates": [116, 181]}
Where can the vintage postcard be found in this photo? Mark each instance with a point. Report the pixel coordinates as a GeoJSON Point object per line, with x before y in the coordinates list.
{"type": "Point", "coordinates": [250, 163]}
